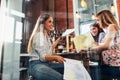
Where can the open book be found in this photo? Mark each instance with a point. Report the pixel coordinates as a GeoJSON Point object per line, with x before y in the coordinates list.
{"type": "Point", "coordinates": [83, 41]}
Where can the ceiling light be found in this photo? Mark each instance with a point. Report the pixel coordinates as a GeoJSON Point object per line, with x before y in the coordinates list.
{"type": "Point", "coordinates": [112, 8]}
{"type": "Point", "coordinates": [78, 15]}
{"type": "Point", "coordinates": [93, 16]}
{"type": "Point", "coordinates": [83, 3]}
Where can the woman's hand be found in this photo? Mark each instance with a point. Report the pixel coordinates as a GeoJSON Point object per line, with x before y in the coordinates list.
{"type": "Point", "coordinates": [58, 58]}
{"type": "Point", "coordinates": [83, 50]}
{"type": "Point", "coordinates": [88, 49]}
{"type": "Point", "coordinates": [60, 38]}
{"type": "Point", "coordinates": [56, 42]}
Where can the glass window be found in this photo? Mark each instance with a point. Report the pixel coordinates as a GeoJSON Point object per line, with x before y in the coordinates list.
{"type": "Point", "coordinates": [11, 16]}
{"type": "Point", "coordinates": [88, 8]}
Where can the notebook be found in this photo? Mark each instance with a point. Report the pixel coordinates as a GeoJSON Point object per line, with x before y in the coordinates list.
{"type": "Point", "coordinates": [83, 41]}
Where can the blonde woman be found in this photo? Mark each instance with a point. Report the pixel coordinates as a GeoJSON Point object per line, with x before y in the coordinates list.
{"type": "Point", "coordinates": [111, 42]}
{"type": "Point", "coordinates": [43, 65]}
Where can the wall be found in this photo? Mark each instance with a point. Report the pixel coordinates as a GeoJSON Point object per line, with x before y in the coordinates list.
{"type": "Point", "coordinates": [60, 10]}
{"type": "Point", "coordinates": [63, 14]}
{"type": "Point", "coordinates": [118, 9]}
{"type": "Point", "coordinates": [32, 10]}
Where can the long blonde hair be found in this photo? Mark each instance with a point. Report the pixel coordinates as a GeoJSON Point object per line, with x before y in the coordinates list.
{"type": "Point", "coordinates": [41, 20]}
{"type": "Point", "coordinates": [106, 18]}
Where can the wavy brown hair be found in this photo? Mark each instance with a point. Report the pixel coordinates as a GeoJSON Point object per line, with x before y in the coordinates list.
{"type": "Point", "coordinates": [106, 18]}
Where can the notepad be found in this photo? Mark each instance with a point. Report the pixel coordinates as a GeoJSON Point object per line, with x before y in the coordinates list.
{"type": "Point", "coordinates": [83, 41]}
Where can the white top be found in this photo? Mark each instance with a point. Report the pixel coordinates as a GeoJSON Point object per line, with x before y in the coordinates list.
{"type": "Point", "coordinates": [39, 51]}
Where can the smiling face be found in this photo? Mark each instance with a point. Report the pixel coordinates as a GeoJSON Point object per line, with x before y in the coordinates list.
{"type": "Point", "coordinates": [104, 18]}
{"type": "Point", "coordinates": [94, 30]}
{"type": "Point", "coordinates": [49, 24]}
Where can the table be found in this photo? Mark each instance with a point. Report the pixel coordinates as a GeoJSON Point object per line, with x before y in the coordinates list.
{"type": "Point", "coordinates": [24, 57]}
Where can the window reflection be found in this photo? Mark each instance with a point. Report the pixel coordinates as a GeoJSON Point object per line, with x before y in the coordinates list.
{"type": "Point", "coordinates": [87, 13]}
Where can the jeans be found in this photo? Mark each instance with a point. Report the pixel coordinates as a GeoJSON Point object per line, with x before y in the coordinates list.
{"type": "Point", "coordinates": [46, 70]}
{"type": "Point", "coordinates": [110, 72]}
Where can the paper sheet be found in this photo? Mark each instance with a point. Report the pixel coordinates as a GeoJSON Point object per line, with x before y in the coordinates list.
{"type": "Point", "coordinates": [74, 70]}
{"type": "Point", "coordinates": [67, 32]}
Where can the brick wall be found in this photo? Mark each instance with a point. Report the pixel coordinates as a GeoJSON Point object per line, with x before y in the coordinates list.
{"type": "Point", "coordinates": [34, 8]}
{"type": "Point", "coordinates": [118, 8]}
{"type": "Point", "coordinates": [63, 14]}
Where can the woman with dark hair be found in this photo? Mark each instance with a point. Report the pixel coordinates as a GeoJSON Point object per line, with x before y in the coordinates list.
{"type": "Point", "coordinates": [95, 56]}
{"type": "Point", "coordinates": [97, 33]}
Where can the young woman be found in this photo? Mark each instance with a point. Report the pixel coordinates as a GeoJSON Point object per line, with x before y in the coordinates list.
{"type": "Point", "coordinates": [43, 65]}
{"type": "Point", "coordinates": [97, 33]}
{"type": "Point", "coordinates": [107, 22]}
{"type": "Point", "coordinates": [111, 42]}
